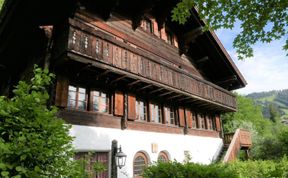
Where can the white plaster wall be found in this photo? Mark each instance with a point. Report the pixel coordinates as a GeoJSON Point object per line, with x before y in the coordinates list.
{"type": "Point", "coordinates": [202, 149]}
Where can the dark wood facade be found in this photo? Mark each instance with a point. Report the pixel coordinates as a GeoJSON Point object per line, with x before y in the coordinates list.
{"type": "Point", "coordinates": [131, 58]}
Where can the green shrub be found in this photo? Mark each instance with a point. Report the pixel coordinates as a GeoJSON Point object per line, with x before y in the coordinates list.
{"type": "Point", "coordinates": [260, 169]}
{"type": "Point", "coordinates": [175, 169]}
{"type": "Point", "coordinates": [237, 169]}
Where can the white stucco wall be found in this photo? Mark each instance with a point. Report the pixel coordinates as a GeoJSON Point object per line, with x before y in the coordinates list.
{"type": "Point", "coordinates": [202, 149]}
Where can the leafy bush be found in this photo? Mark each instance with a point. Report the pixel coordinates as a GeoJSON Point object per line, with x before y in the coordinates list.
{"type": "Point", "coordinates": [175, 169]}
{"type": "Point", "coordinates": [237, 169]}
{"type": "Point", "coordinates": [33, 141]}
{"type": "Point", "coordinates": [260, 169]}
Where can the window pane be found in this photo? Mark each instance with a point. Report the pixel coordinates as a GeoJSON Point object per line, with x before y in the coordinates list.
{"type": "Point", "coordinates": [140, 110]}
{"type": "Point", "coordinates": [103, 104]}
{"type": "Point", "coordinates": [100, 102]}
{"type": "Point", "coordinates": [156, 113]}
{"type": "Point", "coordinates": [82, 90]}
{"type": "Point", "coordinates": [139, 165]}
{"type": "Point", "coordinates": [72, 97]}
{"type": "Point", "coordinates": [194, 121]}
{"type": "Point", "coordinates": [96, 93]}
{"type": "Point", "coordinates": [82, 105]}
{"type": "Point", "coordinates": [71, 104]}
{"type": "Point", "coordinates": [81, 97]}
{"type": "Point", "coordinates": [71, 88]}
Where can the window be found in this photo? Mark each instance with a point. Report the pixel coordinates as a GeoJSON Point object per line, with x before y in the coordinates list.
{"type": "Point", "coordinates": [147, 25]}
{"type": "Point", "coordinates": [170, 115]}
{"type": "Point", "coordinates": [210, 123]}
{"type": "Point", "coordinates": [140, 162]}
{"type": "Point", "coordinates": [100, 102]}
{"type": "Point", "coordinates": [194, 120]}
{"type": "Point", "coordinates": [156, 113]}
{"type": "Point", "coordinates": [163, 157]}
{"type": "Point", "coordinates": [141, 110]}
{"type": "Point", "coordinates": [170, 37]}
{"type": "Point", "coordinates": [201, 121]}
{"type": "Point", "coordinates": [91, 159]}
{"type": "Point", "coordinates": [214, 122]}
{"type": "Point", "coordinates": [77, 98]}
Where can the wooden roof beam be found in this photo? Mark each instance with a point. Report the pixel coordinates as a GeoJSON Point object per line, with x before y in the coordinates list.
{"type": "Point", "coordinates": [203, 59]}
{"type": "Point", "coordinates": [117, 79]}
{"type": "Point", "coordinates": [227, 79]}
{"type": "Point", "coordinates": [102, 74]}
{"type": "Point", "coordinates": [175, 96]}
{"type": "Point", "coordinates": [192, 35]}
{"type": "Point", "coordinates": [147, 86]}
{"type": "Point", "coordinates": [186, 98]}
{"type": "Point", "coordinates": [166, 93]}
{"type": "Point", "coordinates": [133, 83]}
{"type": "Point", "coordinates": [157, 90]}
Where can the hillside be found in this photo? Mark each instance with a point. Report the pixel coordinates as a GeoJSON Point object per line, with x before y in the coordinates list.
{"type": "Point", "coordinates": [278, 99]}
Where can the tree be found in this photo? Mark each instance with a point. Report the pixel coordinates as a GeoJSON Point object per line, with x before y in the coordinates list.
{"type": "Point", "coordinates": [248, 116]}
{"type": "Point", "coordinates": [274, 113]}
{"type": "Point", "coordinates": [33, 141]}
{"type": "Point", "coordinates": [260, 20]}
{"type": "Point", "coordinates": [1, 3]}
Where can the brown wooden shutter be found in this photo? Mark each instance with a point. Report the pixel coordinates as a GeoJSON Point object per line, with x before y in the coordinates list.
{"type": "Point", "coordinates": [131, 107]}
{"type": "Point", "coordinates": [181, 117]}
{"type": "Point", "coordinates": [119, 103]}
{"type": "Point", "coordinates": [218, 123]}
{"type": "Point", "coordinates": [189, 118]}
{"type": "Point", "coordinates": [164, 120]}
{"type": "Point", "coordinates": [150, 111]}
{"type": "Point", "coordinates": [61, 97]}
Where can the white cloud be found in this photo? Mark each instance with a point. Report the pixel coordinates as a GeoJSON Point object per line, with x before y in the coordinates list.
{"type": "Point", "coordinates": [267, 70]}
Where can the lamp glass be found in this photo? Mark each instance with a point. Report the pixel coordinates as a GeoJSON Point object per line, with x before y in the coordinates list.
{"type": "Point", "coordinates": [120, 158]}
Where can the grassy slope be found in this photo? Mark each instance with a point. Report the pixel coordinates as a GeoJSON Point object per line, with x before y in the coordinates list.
{"type": "Point", "coordinates": [271, 98]}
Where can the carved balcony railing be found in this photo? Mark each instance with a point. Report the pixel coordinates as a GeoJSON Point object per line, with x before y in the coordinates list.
{"type": "Point", "coordinates": [241, 139]}
{"type": "Point", "coordinates": [106, 49]}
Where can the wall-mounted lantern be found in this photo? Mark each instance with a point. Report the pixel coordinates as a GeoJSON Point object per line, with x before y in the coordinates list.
{"type": "Point", "coordinates": [120, 158]}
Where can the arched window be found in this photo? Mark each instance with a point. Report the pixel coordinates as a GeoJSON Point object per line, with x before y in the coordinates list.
{"type": "Point", "coordinates": [139, 164]}
{"type": "Point", "coordinates": [163, 157]}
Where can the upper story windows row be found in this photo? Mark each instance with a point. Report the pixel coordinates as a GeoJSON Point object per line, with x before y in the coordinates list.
{"type": "Point", "coordinates": [139, 109]}
{"type": "Point", "coordinates": [150, 25]}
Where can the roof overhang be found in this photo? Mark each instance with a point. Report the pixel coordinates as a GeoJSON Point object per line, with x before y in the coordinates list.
{"type": "Point", "coordinates": [21, 38]}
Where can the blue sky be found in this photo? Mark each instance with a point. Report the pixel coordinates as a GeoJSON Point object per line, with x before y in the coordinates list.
{"type": "Point", "coordinates": [267, 70]}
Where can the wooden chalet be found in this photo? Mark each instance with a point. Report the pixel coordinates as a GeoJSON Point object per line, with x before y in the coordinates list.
{"type": "Point", "coordinates": [125, 72]}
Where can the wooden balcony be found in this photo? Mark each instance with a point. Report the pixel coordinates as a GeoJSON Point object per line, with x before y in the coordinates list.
{"type": "Point", "coordinates": [105, 49]}
{"type": "Point", "coordinates": [241, 139]}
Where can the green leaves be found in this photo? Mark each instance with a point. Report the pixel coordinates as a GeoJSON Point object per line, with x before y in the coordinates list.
{"type": "Point", "coordinates": [237, 169]}
{"type": "Point", "coordinates": [33, 141]}
{"type": "Point", "coordinates": [261, 21]}
{"type": "Point", "coordinates": [1, 3]}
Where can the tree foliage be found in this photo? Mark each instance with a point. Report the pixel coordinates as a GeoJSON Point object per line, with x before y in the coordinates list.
{"type": "Point", "coordinates": [1, 3]}
{"type": "Point", "coordinates": [33, 141]}
{"type": "Point", "coordinates": [248, 116]}
{"type": "Point", "coordinates": [270, 137]}
{"type": "Point", "coordinates": [260, 20]}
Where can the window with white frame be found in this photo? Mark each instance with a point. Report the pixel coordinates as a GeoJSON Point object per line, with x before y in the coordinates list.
{"type": "Point", "coordinates": [169, 115]}
{"type": "Point", "coordinates": [77, 98]}
{"type": "Point", "coordinates": [100, 101]}
{"type": "Point", "coordinates": [141, 110]}
{"type": "Point", "coordinates": [155, 113]}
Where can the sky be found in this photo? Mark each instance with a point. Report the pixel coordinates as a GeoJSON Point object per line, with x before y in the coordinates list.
{"type": "Point", "coordinates": [266, 71]}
